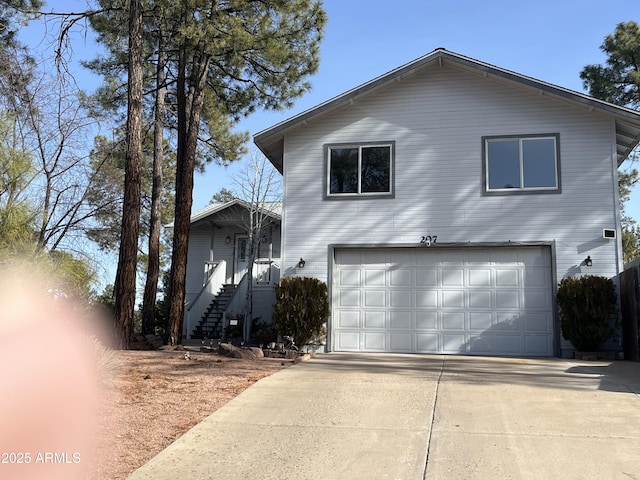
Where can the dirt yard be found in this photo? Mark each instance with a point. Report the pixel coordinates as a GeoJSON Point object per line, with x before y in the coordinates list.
{"type": "Point", "coordinates": [153, 397]}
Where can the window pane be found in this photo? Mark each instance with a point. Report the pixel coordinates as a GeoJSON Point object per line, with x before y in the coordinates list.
{"type": "Point", "coordinates": [503, 164]}
{"type": "Point", "coordinates": [539, 162]}
{"type": "Point", "coordinates": [376, 169]}
{"type": "Point", "coordinates": [343, 174]}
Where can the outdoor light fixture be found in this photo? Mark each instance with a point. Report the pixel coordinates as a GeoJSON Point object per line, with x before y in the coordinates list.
{"type": "Point", "coordinates": [587, 261]}
{"type": "Point", "coordinates": [228, 239]}
{"type": "Point", "coordinates": [301, 263]}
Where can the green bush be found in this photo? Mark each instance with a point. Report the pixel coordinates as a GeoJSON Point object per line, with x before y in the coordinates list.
{"type": "Point", "coordinates": [587, 305]}
{"type": "Point", "coordinates": [301, 309]}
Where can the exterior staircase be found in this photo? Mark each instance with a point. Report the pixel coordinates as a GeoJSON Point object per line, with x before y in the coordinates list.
{"type": "Point", "coordinates": [210, 324]}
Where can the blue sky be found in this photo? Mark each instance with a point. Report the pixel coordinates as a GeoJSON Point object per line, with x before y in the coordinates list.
{"type": "Point", "coordinates": [548, 40]}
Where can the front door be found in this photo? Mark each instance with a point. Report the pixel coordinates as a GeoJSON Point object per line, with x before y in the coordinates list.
{"type": "Point", "coordinates": [241, 253]}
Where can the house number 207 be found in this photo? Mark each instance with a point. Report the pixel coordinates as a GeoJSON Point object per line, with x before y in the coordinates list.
{"type": "Point", "coordinates": [428, 241]}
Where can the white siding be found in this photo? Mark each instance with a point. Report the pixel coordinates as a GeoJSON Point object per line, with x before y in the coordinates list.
{"type": "Point", "coordinates": [437, 119]}
{"type": "Point", "coordinates": [198, 254]}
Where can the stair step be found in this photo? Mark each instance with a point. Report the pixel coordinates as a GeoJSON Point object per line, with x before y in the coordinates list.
{"type": "Point", "coordinates": [210, 322]}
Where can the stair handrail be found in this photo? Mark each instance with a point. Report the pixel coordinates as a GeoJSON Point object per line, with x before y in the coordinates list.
{"type": "Point", "coordinates": [195, 308]}
{"type": "Point", "coordinates": [237, 302]}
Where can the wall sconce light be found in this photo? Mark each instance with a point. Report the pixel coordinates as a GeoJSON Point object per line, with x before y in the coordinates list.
{"type": "Point", "coordinates": [228, 239]}
{"type": "Point", "coordinates": [301, 263]}
{"type": "Point", "coordinates": [587, 261]}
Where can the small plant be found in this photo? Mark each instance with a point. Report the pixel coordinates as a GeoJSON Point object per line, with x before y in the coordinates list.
{"type": "Point", "coordinates": [262, 332]}
{"type": "Point", "coordinates": [301, 309]}
{"type": "Point", "coordinates": [587, 305]}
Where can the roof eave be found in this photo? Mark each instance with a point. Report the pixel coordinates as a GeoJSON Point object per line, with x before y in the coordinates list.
{"type": "Point", "coordinates": [271, 140]}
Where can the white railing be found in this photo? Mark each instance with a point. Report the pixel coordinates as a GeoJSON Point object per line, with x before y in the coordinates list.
{"type": "Point", "coordinates": [215, 278]}
{"type": "Point", "coordinates": [266, 272]}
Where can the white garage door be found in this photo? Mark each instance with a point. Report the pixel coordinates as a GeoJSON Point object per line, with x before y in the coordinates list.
{"type": "Point", "coordinates": [479, 301]}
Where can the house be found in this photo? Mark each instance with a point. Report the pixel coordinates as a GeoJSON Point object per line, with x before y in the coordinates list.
{"type": "Point", "coordinates": [443, 201]}
{"type": "Point", "coordinates": [218, 268]}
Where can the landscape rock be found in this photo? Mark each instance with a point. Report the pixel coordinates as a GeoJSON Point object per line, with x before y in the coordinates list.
{"type": "Point", "coordinates": [257, 352]}
{"type": "Point", "coordinates": [232, 351]}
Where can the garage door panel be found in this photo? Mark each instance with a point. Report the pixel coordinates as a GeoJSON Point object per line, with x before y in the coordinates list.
{"type": "Point", "coordinates": [507, 278]}
{"type": "Point", "coordinates": [400, 298]}
{"type": "Point", "coordinates": [508, 344]}
{"type": "Point", "coordinates": [453, 320]}
{"type": "Point", "coordinates": [427, 342]}
{"type": "Point", "coordinates": [400, 319]}
{"type": "Point", "coordinates": [351, 257]}
{"type": "Point", "coordinates": [375, 298]}
{"type": "Point", "coordinates": [452, 277]}
{"type": "Point", "coordinates": [350, 277]}
{"type": "Point", "coordinates": [480, 299]}
{"type": "Point", "coordinates": [508, 321]}
{"type": "Point", "coordinates": [401, 342]}
{"type": "Point", "coordinates": [482, 344]}
{"type": "Point", "coordinates": [507, 299]}
{"type": "Point", "coordinates": [349, 298]}
{"type": "Point", "coordinates": [452, 343]}
{"type": "Point", "coordinates": [348, 341]}
{"type": "Point", "coordinates": [426, 299]}
{"type": "Point", "coordinates": [453, 298]}
{"type": "Point", "coordinates": [480, 320]}
{"type": "Point", "coordinates": [491, 301]}
{"type": "Point", "coordinates": [536, 277]}
{"type": "Point", "coordinates": [536, 345]}
{"type": "Point", "coordinates": [426, 320]}
{"type": "Point", "coordinates": [426, 278]}
{"type": "Point", "coordinates": [349, 319]}
{"type": "Point", "coordinates": [480, 277]}
{"type": "Point", "coordinates": [375, 319]}
{"type": "Point", "coordinates": [538, 323]}
{"type": "Point", "coordinates": [375, 342]}
{"type": "Point", "coordinates": [374, 257]}
{"type": "Point", "coordinates": [537, 300]}
{"type": "Point", "coordinates": [401, 278]}
{"type": "Point", "coordinates": [374, 277]}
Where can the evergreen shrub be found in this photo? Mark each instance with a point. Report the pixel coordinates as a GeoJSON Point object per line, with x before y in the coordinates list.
{"type": "Point", "coordinates": [587, 307]}
{"type": "Point", "coordinates": [301, 309]}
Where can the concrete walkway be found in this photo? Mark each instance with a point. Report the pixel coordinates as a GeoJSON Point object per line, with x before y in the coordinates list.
{"type": "Point", "coordinates": [368, 416]}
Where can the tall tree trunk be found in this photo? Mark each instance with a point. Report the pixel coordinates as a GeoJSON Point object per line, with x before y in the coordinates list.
{"type": "Point", "coordinates": [190, 102]}
{"type": "Point", "coordinates": [125, 282]}
{"type": "Point", "coordinates": [153, 268]}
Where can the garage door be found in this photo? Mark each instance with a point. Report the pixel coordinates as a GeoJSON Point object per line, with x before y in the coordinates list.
{"type": "Point", "coordinates": [479, 301]}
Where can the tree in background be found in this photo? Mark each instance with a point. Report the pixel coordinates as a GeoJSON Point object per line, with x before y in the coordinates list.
{"type": "Point", "coordinates": [17, 226]}
{"type": "Point", "coordinates": [618, 82]}
{"type": "Point", "coordinates": [260, 185]}
{"type": "Point", "coordinates": [233, 57]}
{"type": "Point", "coordinates": [223, 196]}
{"type": "Point", "coordinates": [16, 64]}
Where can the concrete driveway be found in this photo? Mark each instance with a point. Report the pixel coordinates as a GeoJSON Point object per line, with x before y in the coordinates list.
{"type": "Point", "coordinates": [369, 416]}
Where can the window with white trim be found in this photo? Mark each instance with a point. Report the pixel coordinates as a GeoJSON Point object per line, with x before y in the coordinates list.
{"type": "Point", "coordinates": [521, 164]}
{"type": "Point", "coordinates": [360, 169]}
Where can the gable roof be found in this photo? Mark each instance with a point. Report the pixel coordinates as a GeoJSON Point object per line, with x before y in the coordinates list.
{"type": "Point", "coordinates": [271, 140]}
{"type": "Point", "coordinates": [273, 210]}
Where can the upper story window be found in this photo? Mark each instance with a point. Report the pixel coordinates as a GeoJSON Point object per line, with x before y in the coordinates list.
{"type": "Point", "coordinates": [360, 169]}
{"type": "Point", "coordinates": [521, 164]}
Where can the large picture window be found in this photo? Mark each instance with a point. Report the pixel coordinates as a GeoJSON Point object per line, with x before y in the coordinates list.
{"type": "Point", "coordinates": [365, 169]}
{"type": "Point", "coordinates": [521, 164]}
